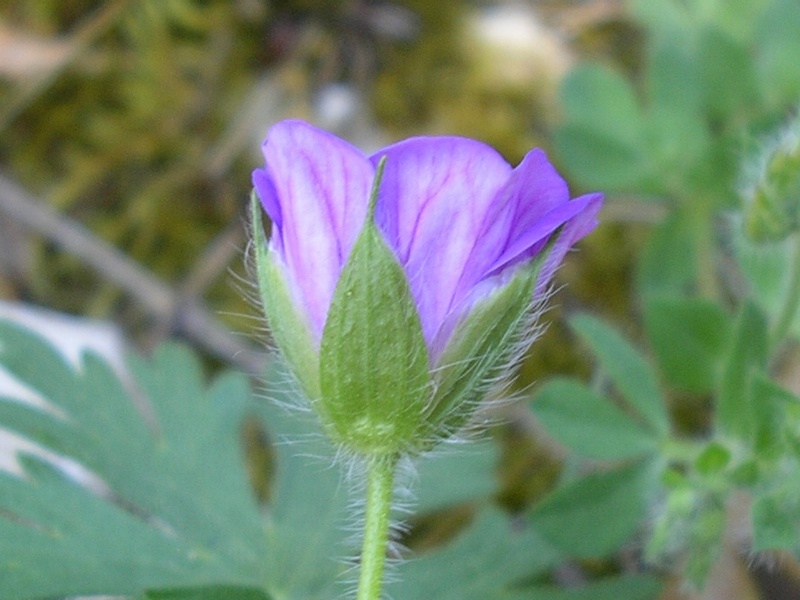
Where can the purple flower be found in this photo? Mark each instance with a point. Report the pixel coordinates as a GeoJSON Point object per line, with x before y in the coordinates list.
{"type": "Point", "coordinates": [459, 219]}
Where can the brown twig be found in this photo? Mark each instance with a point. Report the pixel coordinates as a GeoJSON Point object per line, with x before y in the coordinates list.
{"type": "Point", "coordinates": [84, 34]}
{"type": "Point", "coordinates": [188, 315]}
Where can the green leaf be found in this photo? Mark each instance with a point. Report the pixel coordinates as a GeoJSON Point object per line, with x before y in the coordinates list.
{"type": "Point", "coordinates": [185, 515]}
{"type": "Point", "coordinates": [308, 508]}
{"type": "Point", "coordinates": [664, 19]}
{"type": "Point", "coordinates": [767, 268]}
{"type": "Point", "coordinates": [589, 424]}
{"type": "Point", "coordinates": [373, 357]}
{"type": "Point", "coordinates": [771, 417]}
{"type": "Point", "coordinates": [482, 563]}
{"type": "Point", "coordinates": [775, 519]}
{"type": "Point", "coordinates": [593, 515]}
{"type": "Point", "coordinates": [704, 542]}
{"type": "Point", "coordinates": [736, 410]}
{"type": "Point", "coordinates": [713, 459]}
{"type": "Point", "coordinates": [735, 17]}
{"type": "Point", "coordinates": [777, 49]}
{"type": "Point", "coordinates": [627, 587]}
{"type": "Point", "coordinates": [462, 474]}
{"type": "Point", "coordinates": [207, 593]}
{"type": "Point", "coordinates": [601, 139]}
{"type": "Point", "coordinates": [689, 337]}
{"type": "Point", "coordinates": [597, 160]}
{"type": "Point", "coordinates": [727, 74]}
{"type": "Point", "coordinates": [601, 99]}
{"type": "Point", "coordinates": [663, 270]}
{"type": "Point", "coordinates": [675, 130]}
{"type": "Point", "coordinates": [627, 369]}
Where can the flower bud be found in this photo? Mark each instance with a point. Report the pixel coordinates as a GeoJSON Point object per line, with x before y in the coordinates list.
{"type": "Point", "coordinates": [399, 287]}
{"type": "Point", "coordinates": [772, 210]}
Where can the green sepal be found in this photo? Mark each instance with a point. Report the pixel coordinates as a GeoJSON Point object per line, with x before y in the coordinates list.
{"type": "Point", "coordinates": [373, 357]}
{"type": "Point", "coordinates": [481, 347]}
{"type": "Point", "coordinates": [290, 330]}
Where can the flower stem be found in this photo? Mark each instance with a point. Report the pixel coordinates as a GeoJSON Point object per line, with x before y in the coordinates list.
{"type": "Point", "coordinates": [376, 529]}
{"type": "Point", "coordinates": [790, 302]}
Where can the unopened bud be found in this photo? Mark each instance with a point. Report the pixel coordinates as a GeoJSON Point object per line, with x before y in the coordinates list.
{"type": "Point", "coordinates": [772, 200]}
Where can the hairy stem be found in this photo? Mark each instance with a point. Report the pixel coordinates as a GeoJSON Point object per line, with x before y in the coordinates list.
{"type": "Point", "coordinates": [376, 529]}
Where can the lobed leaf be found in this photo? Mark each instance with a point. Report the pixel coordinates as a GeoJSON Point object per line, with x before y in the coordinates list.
{"type": "Point", "coordinates": [180, 510]}
{"type": "Point", "coordinates": [589, 424]}
{"type": "Point", "coordinates": [747, 357]}
{"type": "Point", "coordinates": [482, 563]}
{"type": "Point", "coordinates": [627, 368]}
{"type": "Point", "coordinates": [593, 515]}
{"type": "Point", "coordinates": [689, 337]}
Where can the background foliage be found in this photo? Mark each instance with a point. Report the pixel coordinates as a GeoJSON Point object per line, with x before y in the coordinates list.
{"type": "Point", "coordinates": [660, 443]}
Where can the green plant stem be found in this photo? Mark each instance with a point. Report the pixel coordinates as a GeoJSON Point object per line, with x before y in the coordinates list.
{"type": "Point", "coordinates": [789, 309]}
{"type": "Point", "coordinates": [380, 484]}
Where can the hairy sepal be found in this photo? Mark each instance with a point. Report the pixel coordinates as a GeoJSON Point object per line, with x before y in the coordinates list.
{"type": "Point", "coordinates": [483, 348]}
{"type": "Point", "coordinates": [373, 358]}
{"type": "Point", "coordinates": [290, 330]}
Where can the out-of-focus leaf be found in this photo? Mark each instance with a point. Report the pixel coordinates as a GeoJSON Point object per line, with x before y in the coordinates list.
{"type": "Point", "coordinates": [737, 18]}
{"type": "Point", "coordinates": [207, 593]}
{"type": "Point", "coordinates": [182, 521]}
{"type": "Point", "coordinates": [482, 563]}
{"type": "Point", "coordinates": [593, 515]}
{"type": "Point", "coordinates": [308, 506]}
{"type": "Point", "coordinates": [460, 474]}
{"type": "Point", "coordinates": [675, 130]}
{"type": "Point", "coordinates": [627, 368]}
{"type": "Point", "coordinates": [664, 19]}
{"type": "Point", "coordinates": [689, 337]}
{"type": "Point", "coordinates": [602, 100]}
{"type": "Point", "coordinates": [596, 160]}
{"type": "Point", "coordinates": [627, 587]}
{"type": "Point", "coordinates": [669, 261]}
{"type": "Point", "coordinates": [775, 518]}
{"type": "Point", "coordinates": [735, 411]}
{"type": "Point", "coordinates": [777, 49]}
{"type": "Point", "coordinates": [772, 402]}
{"type": "Point", "coordinates": [589, 424]}
{"type": "Point", "coordinates": [767, 270]}
{"type": "Point", "coordinates": [727, 73]}
{"type": "Point", "coordinates": [600, 141]}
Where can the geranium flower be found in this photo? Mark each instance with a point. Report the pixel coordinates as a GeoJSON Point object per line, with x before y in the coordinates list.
{"type": "Point", "coordinates": [460, 222]}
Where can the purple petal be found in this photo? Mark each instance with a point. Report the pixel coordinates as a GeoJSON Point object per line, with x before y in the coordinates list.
{"type": "Point", "coordinates": [514, 221]}
{"type": "Point", "coordinates": [432, 204]}
{"type": "Point", "coordinates": [536, 189]}
{"type": "Point", "coordinates": [578, 218]}
{"type": "Point", "coordinates": [269, 200]}
{"type": "Point", "coordinates": [579, 226]}
{"type": "Point", "coordinates": [532, 240]}
{"type": "Point", "coordinates": [315, 187]}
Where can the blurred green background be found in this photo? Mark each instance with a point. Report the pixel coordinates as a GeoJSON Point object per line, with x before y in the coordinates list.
{"type": "Point", "coordinates": [141, 120]}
